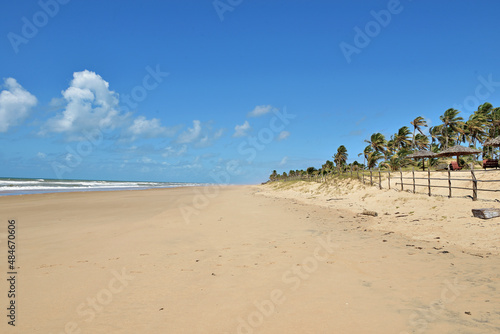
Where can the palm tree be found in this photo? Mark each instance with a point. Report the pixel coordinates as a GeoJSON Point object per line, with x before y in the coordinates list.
{"type": "Point", "coordinates": [273, 176]}
{"type": "Point", "coordinates": [327, 166]}
{"type": "Point", "coordinates": [421, 142]}
{"type": "Point", "coordinates": [417, 123]}
{"type": "Point", "coordinates": [340, 158]}
{"type": "Point", "coordinates": [377, 142]}
{"type": "Point", "coordinates": [474, 129]}
{"type": "Point", "coordinates": [401, 138]}
{"type": "Point", "coordinates": [396, 161]}
{"type": "Point", "coordinates": [368, 149]}
{"type": "Point", "coordinates": [310, 171]}
{"type": "Point", "coordinates": [390, 146]}
{"type": "Point", "coordinates": [451, 123]}
{"type": "Point", "coordinates": [372, 159]}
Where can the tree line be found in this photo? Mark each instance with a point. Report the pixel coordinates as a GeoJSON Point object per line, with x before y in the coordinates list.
{"type": "Point", "coordinates": [483, 124]}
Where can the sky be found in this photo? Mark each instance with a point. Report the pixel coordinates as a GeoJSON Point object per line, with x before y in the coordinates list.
{"type": "Point", "coordinates": [226, 91]}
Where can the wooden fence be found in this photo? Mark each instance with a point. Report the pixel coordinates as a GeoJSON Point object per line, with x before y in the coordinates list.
{"type": "Point", "coordinates": [413, 180]}
{"type": "Point", "coordinates": [407, 181]}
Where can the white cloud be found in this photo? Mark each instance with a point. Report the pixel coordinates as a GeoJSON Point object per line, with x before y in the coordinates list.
{"type": "Point", "coordinates": [173, 152]}
{"type": "Point", "coordinates": [147, 160]}
{"type": "Point", "coordinates": [191, 134]}
{"type": "Point", "coordinates": [241, 130]}
{"type": "Point", "coordinates": [41, 155]}
{"type": "Point", "coordinates": [142, 127]}
{"type": "Point", "coordinates": [200, 135]}
{"type": "Point", "coordinates": [89, 104]}
{"type": "Point", "coordinates": [283, 135]}
{"type": "Point", "coordinates": [15, 104]}
{"type": "Point", "coordinates": [260, 110]}
{"type": "Point", "coordinates": [283, 161]}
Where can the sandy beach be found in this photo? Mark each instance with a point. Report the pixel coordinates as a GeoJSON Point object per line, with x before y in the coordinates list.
{"type": "Point", "coordinates": [289, 258]}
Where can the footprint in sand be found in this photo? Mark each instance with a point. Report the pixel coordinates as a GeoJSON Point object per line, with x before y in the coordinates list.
{"type": "Point", "coordinates": [199, 250]}
{"type": "Point", "coordinates": [82, 261]}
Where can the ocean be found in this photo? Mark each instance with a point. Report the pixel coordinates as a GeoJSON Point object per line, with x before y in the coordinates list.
{"type": "Point", "coordinates": [18, 186]}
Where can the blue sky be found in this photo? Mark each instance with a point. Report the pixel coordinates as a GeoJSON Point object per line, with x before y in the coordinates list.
{"type": "Point", "coordinates": [210, 91]}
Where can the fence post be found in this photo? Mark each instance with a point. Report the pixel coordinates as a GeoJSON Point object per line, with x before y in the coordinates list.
{"type": "Point", "coordinates": [371, 177]}
{"type": "Point", "coordinates": [379, 179]}
{"type": "Point", "coordinates": [389, 178]}
{"type": "Point", "coordinates": [357, 173]}
{"type": "Point", "coordinates": [401, 172]}
{"type": "Point", "coordinates": [474, 185]}
{"type": "Point", "coordinates": [413, 173]}
{"type": "Point", "coordinates": [363, 175]}
{"type": "Point", "coordinates": [449, 183]}
{"type": "Point", "coordinates": [429, 180]}
{"type": "Point", "coordinates": [351, 170]}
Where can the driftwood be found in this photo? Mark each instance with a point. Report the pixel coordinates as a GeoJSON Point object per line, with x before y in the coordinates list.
{"type": "Point", "coordinates": [486, 213]}
{"type": "Point", "coordinates": [369, 213]}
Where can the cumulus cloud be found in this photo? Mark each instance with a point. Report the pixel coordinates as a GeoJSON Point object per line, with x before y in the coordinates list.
{"type": "Point", "coordinates": [142, 127]}
{"type": "Point", "coordinates": [260, 110]}
{"type": "Point", "coordinates": [200, 135]}
{"type": "Point", "coordinates": [241, 130]}
{"type": "Point", "coordinates": [15, 104]}
{"type": "Point", "coordinates": [283, 135]}
{"type": "Point", "coordinates": [208, 138]}
{"type": "Point", "coordinates": [191, 134]}
{"type": "Point", "coordinates": [89, 104]}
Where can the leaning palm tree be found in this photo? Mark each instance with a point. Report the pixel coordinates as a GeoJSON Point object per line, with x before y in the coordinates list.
{"type": "Point", "coordinates": [401, 139]}
{"type": "Point", "coordinates": [421, 142]}
{"type": "Point", "coordinates": [396, 161]}
{"type": "Point", "coordinates": [474, 128]}
{"type": "Point", "coordinates": [494, 123]}
{"type": "Point", "coordinates": [368, 149]}
{"type": "Point", "coordinates": [372, 159]}
{"type": "Point", "coordinates": [417, 123]}
{"type": "Point", "coordinates": [451, 124]}
{"type": "Point", "coordinates": [390, 146]}
{"type": "Point", "coordinates": [377, 142]}
{"type": "Point", "coordinates": [340, 158]}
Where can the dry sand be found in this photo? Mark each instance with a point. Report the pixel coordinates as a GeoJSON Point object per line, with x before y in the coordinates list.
{"type": "Point", "coordinates": [250, 259]}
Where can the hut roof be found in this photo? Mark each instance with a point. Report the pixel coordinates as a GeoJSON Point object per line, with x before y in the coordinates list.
{"type": "Point", "coordinates": [492, 142]}
{"type": "Point", "coordinates": [457, 150]}
{"type": "Point", "coordinates": [421, 154]}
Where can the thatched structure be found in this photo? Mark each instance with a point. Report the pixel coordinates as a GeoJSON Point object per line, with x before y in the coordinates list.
{"type": "Point", "coordinates": [422, 155]}
{"type": "Point", "coordinates": [457, 151]}
{"type": "Point", "coordinates": [494, 142]}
